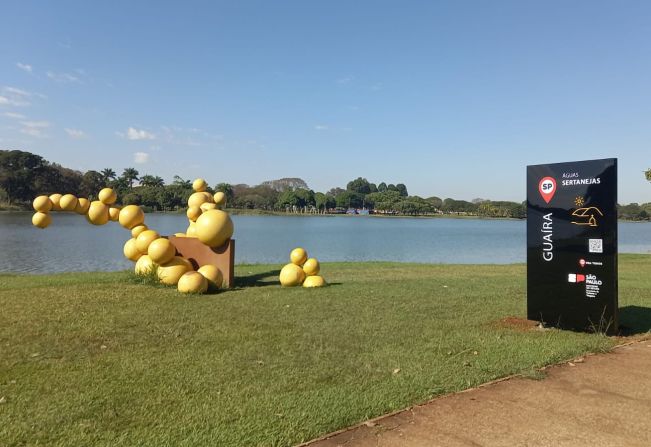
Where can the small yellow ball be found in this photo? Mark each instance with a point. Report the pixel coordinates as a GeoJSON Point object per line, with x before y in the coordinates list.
{"type": "Point", "coordinates": [192, 230]}
{"type": "Point", "coordinates": [314, 281]}
{"type": "Point", "coordinates": [214, 228]}
{"type": "Point", "coordinates": [107, 196]}
{"type": "Point", "coordinates": [179, 234]}
{"type": "Point", "coordinates": [193, 213]}
{"type": "Point", "coordinates": [170, 273]}
{"type": "Point", "coordinates": [82, 206]}
{"type": "Point", "coordinates": [114, 213]}
{"type": "Point", "coordinates": [144, 266]}
{"type": "Point", "coordinates": [130, 250]}
{"type": "Point", "coordinates": [199, 185]}
{"type": "Point", "coordinates": [220, 199]}
{"type": "Point", "coordinates": [41, 220]}
{"type": "Point", "coordinates": [42, 204]}
{"type": "Point", "coordinates": [144, 239]}
{"type": "Point", "coordinates": [98, 213]}
{"type": "Point", "coordinates": [207, 206]}
{"type": "Point", "coordinates": [135, 231]}
{"type": "Point", "coordinates": [298, 256]}
{"type": "Point", "coordinates": [311, 267]}
{"type": "Point", "coordinates": [131, 216]}
{"type": "Point", "coordinates": [55, 198]}
{"type": "Point", "coordinates": [161, 250]}
{"type": "Point", "coordinates": [199, 198]}
{"type": "Point", "coordinates": [68, 202]}
{"type": "Point", "coordinates": [213, 275]}
{"type": "Point", "coordinates": [291, 275]}
{"type": "Point", "coordinates": [192, 282]}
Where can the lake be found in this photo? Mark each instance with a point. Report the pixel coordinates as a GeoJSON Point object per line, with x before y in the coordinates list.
{"type": "Point", "coordinates": [72, 244]}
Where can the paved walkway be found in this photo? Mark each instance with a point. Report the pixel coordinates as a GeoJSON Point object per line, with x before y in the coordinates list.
{"type": "Point", "coordinates": [602, 400]}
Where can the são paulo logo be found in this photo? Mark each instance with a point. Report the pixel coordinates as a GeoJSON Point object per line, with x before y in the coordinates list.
{"type": "Point", "coordinates": [547, 188]}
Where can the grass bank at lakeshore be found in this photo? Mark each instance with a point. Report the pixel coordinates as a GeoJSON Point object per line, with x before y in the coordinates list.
{"type": "Point", "coordinates": [98, 359]}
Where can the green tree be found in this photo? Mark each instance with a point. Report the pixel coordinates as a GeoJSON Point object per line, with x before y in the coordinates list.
{"type": "Point", "coordinates": [91, 183]}
{"type": "Point", "coordinates": [152, 181]}
{"type": "Point", "coordinates": [359, 185]}
{"type": "Point", "coordinates": [349, 199]}
{"type": "Point", "coordinates": [227, 189]}
{"type": "Point", "coordinates": [130, 175]}
{"type": "Point", "coordinates": [435, 201]}
{"type": "Point", "coordinates": [647, 174]}
{"type": "Point", "coordinates": [21, 171]}
{"type": "Point", "coordinates": [382, 187]}
{"type": "Point", "coordinates": [108, 174]}
{"type": "Point", "coordinates": [402, 189]}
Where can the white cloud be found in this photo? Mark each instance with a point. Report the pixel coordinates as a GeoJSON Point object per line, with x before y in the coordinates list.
{"type": "Point", "coordinates": [346, 80]}
{"type": "Point", "coordinates": [13, 115]}
{"type": "Point", "coordinates": [139, 134]}
{"type": "Point", "coordinates": [75, 133]}
{"type": "Point", "coordinates": [35, 128]}
{"type": "Point", "coordinates": [24, 67]}
{"type": "Point", "coordinates": [140, 157]}
{"type": "Point", "coordinates": [16, 91]}
{"type": "Point", "coordinates": [320, 127]}
{"type": "Point", "coordinates": [62, 77]}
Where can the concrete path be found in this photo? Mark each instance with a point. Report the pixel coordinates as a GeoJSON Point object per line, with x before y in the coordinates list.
{"type": "Point", "coordinates": [602, 400]}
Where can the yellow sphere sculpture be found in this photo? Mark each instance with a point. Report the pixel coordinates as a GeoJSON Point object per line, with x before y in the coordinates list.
{"type": "Point", "coordinates": [41, 220]}
{"type": "Point", "coordinates": [82, 206]}
{"type": "Point", "coordinates": [214, 228]}
{"type": "Point", "coordinates": [180, 235]}
{"type": "Point", "coordinates": [207, 206]}
{"type": "Point", "coordinates": [68, 202]}
{"type": "Point", "coordinates": [192, 282]}
{"type": "Point", "coordinates": [42, 204]}
{"type": "Point", "coordinates": [114, 213]}
{"type": "Point", "coordinates": [131, 216]}
{"type": "Point", "coordinates": [130, 250]}
{"type": "Point", "coordinates": [291, 275]}
{"type": "Point", "coordinates": [220, 199]}
{"type": "Point", "coordinates": [298, 256]}
{"type": "Point", "coordinates": [144, 266]}
{"type": "Point", "coordinates": [193, 213]}
{"type": "Point", "coordinates": [311, 267]}
{"type": "Point", "coordinates": [144, 239]}
{"type": "Point", "coordinates": [170, 273]}
{"type": "Point", "coordinates": [54, 198]}
{"type": "Point", "coordinates": [161, 250]}
{"type": "Point", "coordinates": [98, 213]}
{"type": "Point", "coordinates": [213, 275]}
{"type": "Point", "coordinates": [314, 281]}
{"type": "Point", "coordinates": [135, 231]}
{"type": "Point", "coordinates": [199, 198]}
{"type": "Point", "coordinates": [107, 196]}
{"type": "Point", "coordinates": [192, 230]}
{"type": "Point", "coordinates": [199, 185]}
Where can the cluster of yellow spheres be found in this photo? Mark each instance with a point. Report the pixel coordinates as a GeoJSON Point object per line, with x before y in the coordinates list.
{"type": "Point", "coordinates": [301, 270]}
{"type": "Point", "coordinates": [147, 248]}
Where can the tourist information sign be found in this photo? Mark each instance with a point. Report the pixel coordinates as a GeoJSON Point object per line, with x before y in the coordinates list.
{"type": "Point", "coordinates": [572, 245]}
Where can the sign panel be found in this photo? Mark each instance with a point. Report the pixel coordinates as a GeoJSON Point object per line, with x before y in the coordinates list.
{"type": "Point", "coordinates": [572, 245]}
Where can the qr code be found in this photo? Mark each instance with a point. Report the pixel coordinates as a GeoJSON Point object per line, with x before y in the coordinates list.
{"type": "Point", "coordinates": [596, 245]}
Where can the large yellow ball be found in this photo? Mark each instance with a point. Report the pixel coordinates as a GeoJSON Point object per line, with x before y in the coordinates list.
{"type": "Point", "coordinates": [311, 267]}
{"type": "Point", "coordinates": [131, 216]}
{"type": "Point", "coordinates": [213, 275]}
{"type": "Point", "coordinates": [82, 206]}
{"type": "Point", "coordinates": [199, 185]}
{"type": "Point", "coordinates": [207, 206]}
{"type": "Point", "coordinates": [41, 220]}
{"type": "Point", "coordinates": [42, 204]}
{"type": "Point", "coordinates": [98, 213]}
{"type": "Point", "coordinates": [199, 198]}
{"type": "Point", "coordinates": [130, 250]}
{"type": "Point", "coordinates": [180, 235]}
{"type": "Point", "coordinates": [161, 251]}
{"type": "Point", "coordinates": [314, 281]}
{"type": "Point", "coordinates": [107, 196]}
{"type": "Point", "coordinates": [144, 239]}
{"type": "Point", "coordinates": [68, 202]}
{"type": "Point", "coordinates": [298, 256]}
{"type": "Point", "coordinates": [114, 213]}
{"type": "Point", "coordinates": [55, 198]}
{"type": "Point", "coordinates": [135, 231]}
{"type": "Point", "coordinates": [214, 228]}
{"type": "Point", "coordinates": [170, 273]}
{"type": "Point", "coordinates": [291, 275]}
{"type": "Point", "coordinates": [144, 266]}
{"type": "Point", "coordinates": [220, 199]}
{"type": "Point", "coordinates": [192, 282]}
{"type": "Point", "coordinates": [193, 213]}
{"type": "Point", "coordinates": [192, 230]}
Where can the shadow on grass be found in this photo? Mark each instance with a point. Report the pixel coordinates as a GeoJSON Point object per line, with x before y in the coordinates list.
{"type": "Point", "coordinates": [264, 279]}
{"type": "Point", "coordinates": [634, 320]}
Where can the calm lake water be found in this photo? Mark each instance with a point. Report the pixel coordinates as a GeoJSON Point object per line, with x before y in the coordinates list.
{"type": "Point", "coordinates": [71, 244]}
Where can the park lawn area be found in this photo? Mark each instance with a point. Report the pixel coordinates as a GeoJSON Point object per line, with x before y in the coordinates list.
{"type": "Point", "coordinates": [99, 359]}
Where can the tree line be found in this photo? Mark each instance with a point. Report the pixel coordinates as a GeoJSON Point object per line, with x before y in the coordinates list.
{"type": "Point", "coordinates": [24, 175]}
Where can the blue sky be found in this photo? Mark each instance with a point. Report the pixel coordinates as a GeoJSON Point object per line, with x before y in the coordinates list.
{"type": "Point", "coordinates": [452, 98]}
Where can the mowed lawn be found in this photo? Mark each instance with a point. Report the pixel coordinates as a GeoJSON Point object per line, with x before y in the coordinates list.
{"type": "Point", "coordinates": [97, 359]}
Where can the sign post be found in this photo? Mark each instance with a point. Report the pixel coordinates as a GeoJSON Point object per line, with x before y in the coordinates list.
{"type": "Point", "coordinates": [572, 245]}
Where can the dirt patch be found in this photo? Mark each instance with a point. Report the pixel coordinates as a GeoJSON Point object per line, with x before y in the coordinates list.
{"type": "Point", "coordinates": [517, 324]}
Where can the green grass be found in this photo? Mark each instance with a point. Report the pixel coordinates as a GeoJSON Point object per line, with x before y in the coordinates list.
{"type": "Point", "coordinates": [98, 359]}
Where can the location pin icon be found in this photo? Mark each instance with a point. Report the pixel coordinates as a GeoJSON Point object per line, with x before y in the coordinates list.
{"type": "Point", "coordinates": [547, 188]}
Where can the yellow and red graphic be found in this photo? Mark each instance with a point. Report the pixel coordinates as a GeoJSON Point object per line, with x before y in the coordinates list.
{"type": "Point", "coordinates": [587, 216]}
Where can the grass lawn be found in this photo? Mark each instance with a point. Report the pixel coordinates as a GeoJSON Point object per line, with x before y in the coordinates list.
{"type": "Point", "coordinates": [97, 359]}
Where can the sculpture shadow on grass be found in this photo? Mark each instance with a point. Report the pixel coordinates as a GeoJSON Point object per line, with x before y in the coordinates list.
{"type": "Point", "coordinates": [263, 279]}
{"type": "Point", "coordinates": [634, 320]}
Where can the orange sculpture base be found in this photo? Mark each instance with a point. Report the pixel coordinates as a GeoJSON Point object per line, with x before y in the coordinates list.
{"type": "Point", "coordinates": [199, 254]}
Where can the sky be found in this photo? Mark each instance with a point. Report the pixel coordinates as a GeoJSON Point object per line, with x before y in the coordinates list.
{"type": "Point", "coordinates": [452, 98]}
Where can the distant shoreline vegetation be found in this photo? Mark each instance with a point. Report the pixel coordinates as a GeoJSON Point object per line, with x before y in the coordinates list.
{"type": "Point", "coordinates": [24, 175]}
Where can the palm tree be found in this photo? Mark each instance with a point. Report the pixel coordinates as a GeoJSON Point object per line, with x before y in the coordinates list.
{"type": "Point", "coordinates": [108, 174]}
{"type": "Point", "coordinates": [178, 181]}
{"type": "Point", "coordinates": [130, 175]}
{"type": "Point", "coordinates": [152, 181]}
{"type": "Point", "coordinates": [647, 174]}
